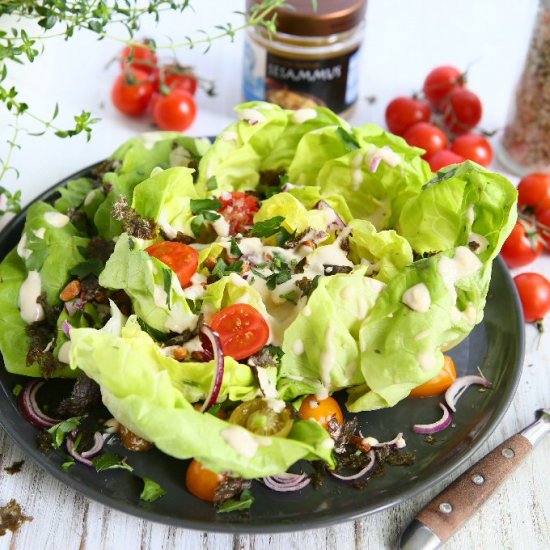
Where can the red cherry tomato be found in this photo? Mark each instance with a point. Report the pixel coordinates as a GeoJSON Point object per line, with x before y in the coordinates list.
{"type": "Point", "coordinates": [534, 192]}
{"type": "Point", "coordinates": [426, 136]}
{"type": "Point", "coordinates": [242, 329]}
{"type": "Point", "coordinates": [202, 482]}
{"type": "Point", "coordinates": [543, 226]}
{"type": "Point", "coordinates": [439, 383]}
{"type": "Point", "coordinates": [462, 110]}
{"type": "Point", "coordinates": [522, 246]}
{"type": "Point", "coordinates": [440, 82]}
{"type": "Point", "coordinates": [443, 158]}
{"type": "Point", "coordinates": [321, 410]}
{"type": "Point", "coordinates": [238, 210]}
{"type": "Point", "coordinates": [139, 57]}
{"type": "Point", "coordinates": [132, 92]}
{"type": "Point", "coordinates": [534, 292]}
{"type": "Point", "coordinates": [176, 76]}
{"type": "Point", "coordinates": [175, 111]}
{"type": "Point", "coordinates": [473, 147]}
{"type": "Point", "coordinates": [403, 112]}
{"type": "Point", "coordinates": [179, 257]}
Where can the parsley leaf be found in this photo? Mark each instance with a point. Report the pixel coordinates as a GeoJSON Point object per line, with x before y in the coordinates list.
{"type": "Point", "coordinates": [349, 141]}
{"type": "Point", "coordinates": [290, 297]}
{"type": "Point", "coordinates": [212, 183]}
{"type": "Point", "coordinates": [61, 429]}
{"type": "Point", "coordinates": [267, 228]}
{"type": "Point", "coordinates": [87, 267]}
{"type": "Point", "coordinates": [234, 248]}
{"type": "Point", "coordinates": [244, 503]}
{"type": "Point", "coordinates": [151, 490]}
{"type": "Point", "coordinates": [109, 462]}
{"type": "Point", "coordinates": [17, 389]}
{"type": "Point", "coordinates": [199, 206]}
{"type": "Point", "coordinates": [167, 280]}
{"type": "Point", "coordinates": [68, 464]}
{"type": "Point", "coordinates": [196, 225]}
{"type": "Point", "coordinates": [221, 268]}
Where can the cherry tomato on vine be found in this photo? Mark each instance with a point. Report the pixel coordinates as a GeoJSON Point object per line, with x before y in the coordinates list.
{"type": "Point", "coordinates": [443, 158]}
{"type": "Point", "coordinates": [238, 210]}
{"type": "Point", "coordinates": [439, 383]}
{"type": "Point", "coordinates": [177, 76]}
{"type": "Point", "coordinates": [174, 111]}
{"type": "Point", "coordinates": [243, 330]}
{"type": "Point", "coordinates": [543, 226]}
{"type": "Point", "coordinates": [440, 82]}
{"type": "Point", "coordinates": [426, 136]}
{"type": "Point", "coordinates": [522, 246]}
{"type": "Point", "coordinates": [534, 292]}
{"type": "Point", "coordinates": [202, 482]}
{"type": "Point", "coordinates": [179, 257]}
{"type": "Point", "coordinates": [462, 110]}
{"type": "Point", "coordinates": [132, 92]}
{"type": "Point", "coordinates": [473, 147]}
{"type": "Point", "coordinates": [403, 112]}
{"type": "Point", "coordinates": [534, 192]}
{"type": "Point", "coordinates": [321, 410]}
{"type": "Point", "coordinates": [139, 57]}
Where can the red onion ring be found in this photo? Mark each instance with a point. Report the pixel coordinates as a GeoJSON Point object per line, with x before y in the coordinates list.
{"type": "Point", "coordinates": [287, 482]}
{"type": "Point", "coordinates": [440, 425]}
{"type": "Point", "coordinates": [75, 454]}
{"type": "Point", "coordinates": [338, 222]}
{"type": "Point", "coordinates": [460, 385]}
{"type": "Point", "coordinates": [86, 455]}
{"type": "Point", "coordinates": [66, 327]}
{"type": "Point", "coordinates": [70, 308]}
{"type": "Point", "coordinates": [361, 472]}
{"type": "Point", "coordinates": [99, 441]}
{"type": "Point", "coordinates": [396, 441]}
{"type": "Point", "coordinates": [29, 406]}
{"type": "Point", "coordinates": [374, 163]}
{"type": "Point", "coordinates": [214, 339]}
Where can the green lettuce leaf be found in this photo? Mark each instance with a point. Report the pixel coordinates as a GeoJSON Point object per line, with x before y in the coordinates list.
{"type": "Point", "coordinates": [74, 194]}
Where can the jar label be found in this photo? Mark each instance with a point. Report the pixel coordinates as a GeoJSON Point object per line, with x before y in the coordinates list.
{"type": "Point", "coordinates": [297, 83]}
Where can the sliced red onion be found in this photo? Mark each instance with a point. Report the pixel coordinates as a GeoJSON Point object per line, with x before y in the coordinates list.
{"type": "Point", "coordinates": [75, 454]}
{"type": "Point", "coordinates": [66, 326]}
{"type": "Point", "coordinates": [453, 394]}
{"type": "Point", "coordinates": [285, 483]}
{"type": "Point", "coordinates": [398, 442]}
{"type": "Point", "coordinates": [440, 425]}
{"type": "Point", "coordinates": [361, 472]}
{"type": "Point", "coordinates": [99, 441]}
{"type": "Point", "coordinates": [214, 339]}
{"type": "Point", "coordinates": [30, 408]}
{"type": "Point", "coordinates": [337, 222]}
{"type": "Point", "coordinates": [375, 162]}
{"type": "Point", "coordinates": [70, 308]}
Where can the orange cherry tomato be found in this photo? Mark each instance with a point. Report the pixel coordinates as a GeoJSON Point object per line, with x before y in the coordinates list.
{"type": "Point", "coordinates": [242, 329]}
{"type": "Point", "coordinates": [179, 257]}
{"type": "Point", "coordinates": [202, 482]}
{"type": "Point", "coordinates": [439, 383]}
{"type": "Point", "coordinates": [321, 410]}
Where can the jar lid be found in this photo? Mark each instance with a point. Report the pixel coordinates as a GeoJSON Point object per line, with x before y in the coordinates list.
{"type": "Point", "coordinates": [301, 18]}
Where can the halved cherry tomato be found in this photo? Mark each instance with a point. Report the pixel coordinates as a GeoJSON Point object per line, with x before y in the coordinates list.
{"type": "Point", "coordinates": [139, 57]}
{"type": "Point", "coordinates": [439, 383]}
{"type": "Point", "coordinates": [179, 257]}
{"type": "Point", "coordinates": [534, 192]}
{"type": "Point", "coordinates": [321, 410]}
{"type": "Point", "coordinates": [523, 246]}
{"type": "Point", "coordinates": [132, 92]}
{"type": "Point", "coordinates": [261, 418]}
{"type": "Point", "coordinates": [238, 210]}
{"type": "Point", "coordinates": [242, 329]}
{"type": "Point", "coordinates": [202, 482]}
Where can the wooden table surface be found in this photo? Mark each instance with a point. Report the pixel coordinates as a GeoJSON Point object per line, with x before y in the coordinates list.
{"type": "Point", "coordinates": [404, 40]}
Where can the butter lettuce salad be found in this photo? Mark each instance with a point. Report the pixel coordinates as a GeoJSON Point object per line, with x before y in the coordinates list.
{"type": "Point", "coordinates": [215, 293]}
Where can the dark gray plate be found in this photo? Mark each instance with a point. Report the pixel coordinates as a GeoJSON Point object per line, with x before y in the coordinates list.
{"type": "Point", "coordinates": [496, 346]}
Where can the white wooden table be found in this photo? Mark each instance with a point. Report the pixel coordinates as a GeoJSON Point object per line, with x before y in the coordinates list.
{"type": "Point", "coordinates": [404, 40]}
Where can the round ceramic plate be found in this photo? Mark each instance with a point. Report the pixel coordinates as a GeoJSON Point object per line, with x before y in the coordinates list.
{"type": "Point", "coordinates": [495, 346]}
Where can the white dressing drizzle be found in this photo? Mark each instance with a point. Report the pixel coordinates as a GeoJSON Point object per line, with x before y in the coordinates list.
{"type": "Point", "coordinates": [302, 115]}
{"type": "Point", "coordinates": [64, 354]}
{"type": "Point", "coordinates": [22, 251]}
{"type": "Point", "coordinates": [427, 360]}
{"type": "Point", "coordinates": [31, 310]}
{"type": "Point", "coordinates": [417, 298]}
{"type": "Point", "coordinates": [197, 288]}
{"type": "Point", "coordinates": [56, 219]}
{"type": "Point", "coordinates": [480, 240]}
{"type": "Point", "coordinates": [241, 440]}
{"type": "Point", "coordinates": [252, 116]}
{"type": "Point", "coordinates": [464, 264]}
{"type": "Point", "coordinates": [298, 347]}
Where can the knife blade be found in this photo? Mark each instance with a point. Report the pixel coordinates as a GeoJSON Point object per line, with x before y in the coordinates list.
{"type": "Point", "coordinates": [445, 514]}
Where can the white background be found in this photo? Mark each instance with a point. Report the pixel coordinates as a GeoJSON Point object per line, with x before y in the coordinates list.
{"type": "Point", "coordinates": [404, 39]}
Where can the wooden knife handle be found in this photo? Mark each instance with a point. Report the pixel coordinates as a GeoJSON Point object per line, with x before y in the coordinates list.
{"type": "Point", "coordinates": [453, 507]}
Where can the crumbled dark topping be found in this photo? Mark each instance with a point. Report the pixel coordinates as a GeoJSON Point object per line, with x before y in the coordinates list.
{"type": "Point", "coordinates": [11, 517]}
{"type": "Point", "coordinates": [342, 433]}
{"type": "Point", "coordinates": [132, 223]}
{"type": "Point", "coordinates": [84, 397]}
{"type": "Point", "coordinates": [101, 248]}
{"type": "Point", "coordinates": [186, 335]}
{"type": "Point", "coordinates": [334, 269]}
{"type": "Point", "coordinates": [473, 245]}
{"type": "Point", "coordinates": [268, 356]}
{"type": "Point", "coordinates": [15, 468]}
{"type": "Point", "coordinates": [230, 487]}
{"type": "Point", "coordinates": [307, 286]}
{"type": "Point", "coordinates": [110, 165]}
{"type": "Point", "coordinates": [423, 256]}
{"type": "Point", "coordinates": [92, 291]}
{"type": "Point", "coordinates": [318, 477]}
{"type": "Point", "coordinates": [123, 302]}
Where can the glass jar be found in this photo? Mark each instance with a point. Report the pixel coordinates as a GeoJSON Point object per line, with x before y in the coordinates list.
{"type": "Point", "coordinates": [525, 142]}
{"type": "Point", "coordinates": [312, 59]}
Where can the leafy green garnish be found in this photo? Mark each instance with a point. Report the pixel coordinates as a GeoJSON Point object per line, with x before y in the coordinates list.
{"type": "Point", "coordinates": [290, 297]}
{"type": "Point", "coordinates": [167, 281]}
{"type": "Point", "coordinates": [110, 462]}
{"type": "Point", "coordinates": [68, 464]}
{"type": "Point", "coordinates": [212, 183]}
{"type": "Point", "coordinates": [199, 206]}
{"type": "Point", "coordinates": [348, 139]}
{"type": "Point", "coordinates": [151, 490]}
{"type": "Point", "coordinates": [196, 225]}
{"type": "Point", "coordinates": [92, 266]}
{"type": "Point", "coordinates": [17, 389]}
{"type": "Point", "coordinates": [234, 248]}
{"type": "Point", "coordinates": [267, 228]}
{"type": "Point", "coordinates": [243, 503]}
{"type": "Point", "coordinates": [61, 429]}
{"type": "Point", "coordinates": [221, 269]}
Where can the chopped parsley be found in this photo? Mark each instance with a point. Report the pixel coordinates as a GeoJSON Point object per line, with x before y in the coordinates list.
{"type": "Point", "coordinates": [244, 502]}
{"type": "Point", "coordinates": [222, 268]}
{"type": "Point", "coordinates": [267, 228]}
{"type": "Point", "coordinates": [290, 297]}
{"type": "Point", "coordinates": [167, 280]}
{"type": "Point", "coordinates": [349, 141]}
{"type": "Point", "coordinates": [59, 432]}
{"type": "Point", "coordinates": [110, 462]}
{"type": "Point", "coordinates": [212, 183]}
{"type": "Point", "coordinates": [93, 266]}
{"type": "Point", "coordinates": [234, 248]}
{"type": "Point", "coordinates": [200, 206]}
{"type": "Point", "coordinates": [151, 490]}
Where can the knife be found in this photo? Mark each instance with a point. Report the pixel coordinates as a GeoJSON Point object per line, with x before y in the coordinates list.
{"type": "Point", "coordinates": [454, 506]}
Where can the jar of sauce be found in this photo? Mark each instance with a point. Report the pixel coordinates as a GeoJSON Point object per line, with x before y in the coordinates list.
{"type": "Point", "coordinates": [312, 59]}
